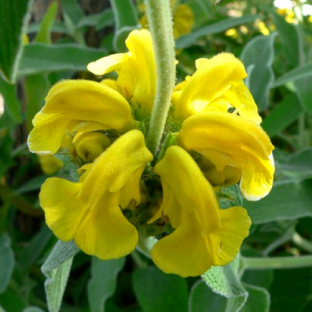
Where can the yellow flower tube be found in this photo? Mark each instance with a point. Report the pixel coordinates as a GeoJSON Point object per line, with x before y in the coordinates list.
{"type": "Point", "coordinates": [136, 69]}
{"type": "Point", "coordinates": [230, 140]}
{"type": "Point", "coordinates": [216, 79]}
{"type": "Point", "coordinates": [77, 105]}
{"type": "Point", "coordinates": [204, 235]}
{"type": "Point", "coordinates": [88, 211]}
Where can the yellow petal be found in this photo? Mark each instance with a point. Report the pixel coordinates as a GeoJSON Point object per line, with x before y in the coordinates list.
{"type": "Point", "coordinates": [183, 20]}
{"type": "Point", "coordinates": [136, 69]}
{"type": "Point", "coordinates": [240, 97]}
{"type": "Point", "coordinates": [90, 145]}
{"type": "Point", "coordinates": [63, 210]}
{"type": "Point", "coordinates": [191, 189]}
{"type": "Point", "coordinates": [115, 166]}
{"type": "Point", "coordinates": [50, 164]}
{"type": "Point", "coordinates": [229, 175]}
{"type": "Point", "coordinates": [185, 251]}
{"type": "Point", "coordinates": [88, 211]}
{"type": "Point", "coordinates": [194, 246]}
{"type": "Point", "coordinates": [189, 253]}
{"type": "Point", "coordinates": [41, 141]}
{"type": "Point", "coordinates": [212, 79]}
{"type": "Point", "coordinates": [239, 143]}
{"type": "Point", "coordinates": [169, 207]}
{"type": "Point", "coordinates": [81, 105]}
{"type": "Point", "coordinates": [107, 64]}
{"type": "Point", "coordinates": [227, 240]}
{"type": "Point", "coordinates": [131, 190]}
{"type": "Point", "coordinates": [105, 232]}
{"type": "Point", "coordinates": [88, 101]}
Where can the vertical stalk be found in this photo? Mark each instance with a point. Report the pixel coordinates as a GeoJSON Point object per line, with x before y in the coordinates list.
{"type": "Point", "coordinates": [160, 25]}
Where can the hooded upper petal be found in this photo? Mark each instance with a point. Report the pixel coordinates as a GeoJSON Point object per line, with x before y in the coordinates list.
{"type": "Point", "coordinates": [136, 69]}
{"type": "Point", "coordinates": [229, 140]}
{"type": "Point", "coordinates": [204, 235]}
{"type": "Point", "coordinates": [89, 211]}
{"type": "Point", "coordinates": [220, 77]}
{"type": "Point", "coordinates": [77, 105]}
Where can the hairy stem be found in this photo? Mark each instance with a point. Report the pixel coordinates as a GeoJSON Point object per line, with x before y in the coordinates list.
{"type": "Point", "coordinates": [160, 25]}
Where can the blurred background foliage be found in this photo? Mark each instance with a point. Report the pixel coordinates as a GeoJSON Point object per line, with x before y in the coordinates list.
{"type": "Point", "coordinates": [43, 42]}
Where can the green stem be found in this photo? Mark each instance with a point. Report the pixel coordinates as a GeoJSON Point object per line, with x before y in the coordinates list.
{"type": "Point", "coordinates": [160, 25]}
{"type": "Point", "coordinates": [138, 260]}
{"type": "Point", "coordinates": [302, 242]}
{"type": "Point", "coordinates": [276, 262]}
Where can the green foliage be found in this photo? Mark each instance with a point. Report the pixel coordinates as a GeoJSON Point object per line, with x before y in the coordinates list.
{"type": "Point", "coordinates": [126, 19]}
{"type": "Point", "coordinates": [102, 284]}
{"type": "Point", "coordinates": [56, 268]}
{"type": "Point", "coordinates": [42, 58]}
{"type": "Point", "coordinates": [258, 56]}
{"type": "Point", "coordinates": [6, 261]}
{"type": "Point", "coordinates": [13, 19]}
{"type": "Point", "coordinates": [280, 203]}
{"type": "Point", "coordinates": [157, 291]}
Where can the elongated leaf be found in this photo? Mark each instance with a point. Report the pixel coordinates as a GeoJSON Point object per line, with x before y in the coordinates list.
{"type": "Point", "coordinates": [259, 53]}
{"type": "Point", "coordinates": [19, 201]}
{"type": "Point", "coordinates": [103, 282]}
{"type": "Point", "coordinates": [61, 252]}
{"type": "Point", "coordinates": [36, 246]}
{"type": "Point", "coordinates": [304, 93]}
{"type": "Point", "coordinates": [33, 309]}
{"type": "Point", "coordinates": [157, 291]}
{"type": "Point", "coordinates": [6, 262]}
{"type": "Point", "coordinates": [99, 20]}
{"type": "Point", "coordinates": [13, 20]}
{"type": "Point", "coordinates": [293, 75]}
{"type": "Point", "coordinates": [126, 19]}
{"type": "Point", "coordinates": [37, 87]}
{"type": "Point", "coordinates": [224, 280]}
{"type": "Point", "coordinates": [44, 34]}
{"type": "Point", "coordinates": [106, 19]}
{"type": "Point", "coordinates": [11, 102]}
{"type": "Point", "coordinates": [72, 9]}
{"type": "Point", "coordinates": [298, 165]}
{"type": "Point", "coordinates": [42, 58]}
{"type": "Point", "coordinates": [56, 269]}
{"type": "Point", "coordinates": [289, 37]}
{"type": "Point", "coordinates": [282, 116]}
{"type": "Point", "coordinates": [203, 11]}
{"type": "Point", "coordinates": [31, 185]}
{"type": "Point", "coordinates": [188, 40]}
{"type": "Point", "coordinates": [57, 27]}
{"type": "Point", "coordinates": [288, 200]}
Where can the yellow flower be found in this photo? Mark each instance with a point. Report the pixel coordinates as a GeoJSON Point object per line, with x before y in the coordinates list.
{"type": "Point", "coordinates": [77, 106]}
{"type": "Point", "coordinates": [204, 235]}
{"type": "Point", "coordinates": [229, 140]}
{"type": "Point", "coordinates": [89, 211]}
{"type": "Point", "coordinates": [50, 164]}
{"type": "Point", "coordinates": [217, 82]}
{"type": "Point", "coordinates": [136, 69]}
{"type": "Point", "coordinates": [183, 19]}
{"type": "Point", "coordinates": [214, 119]}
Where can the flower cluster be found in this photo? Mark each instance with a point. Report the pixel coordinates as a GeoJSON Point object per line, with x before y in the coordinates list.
{"type": "Point", "coordinates": [123, 190]}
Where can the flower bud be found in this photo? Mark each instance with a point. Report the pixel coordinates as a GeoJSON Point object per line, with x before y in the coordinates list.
{"type": "Point", "coordinates": [90, 145]}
